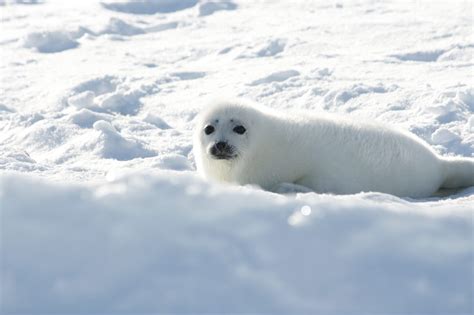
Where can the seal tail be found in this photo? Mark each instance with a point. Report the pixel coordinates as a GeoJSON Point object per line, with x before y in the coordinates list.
{"type": "Point", "coordinates": [459, 172]}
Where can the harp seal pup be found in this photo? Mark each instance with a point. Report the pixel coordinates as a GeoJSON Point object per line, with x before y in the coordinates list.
{"type": "Point", "coordinates": [245, 143]}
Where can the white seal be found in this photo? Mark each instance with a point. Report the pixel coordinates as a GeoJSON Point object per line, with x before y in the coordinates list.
{"type": "Point", "coordinates": [244, 143]}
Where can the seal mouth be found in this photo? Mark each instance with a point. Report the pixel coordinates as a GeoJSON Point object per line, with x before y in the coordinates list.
{"type": "Point", "coordinates": [224, 156]}
{"type": "Point", "coordinates": [222, 151]}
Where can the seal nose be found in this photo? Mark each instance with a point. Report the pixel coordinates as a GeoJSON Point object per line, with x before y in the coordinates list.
{"type": "Point", "coordinates": [221, 146]}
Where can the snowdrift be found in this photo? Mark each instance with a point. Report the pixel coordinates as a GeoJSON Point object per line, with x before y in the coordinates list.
{"type": "Point", "coordinates": [170, 243]}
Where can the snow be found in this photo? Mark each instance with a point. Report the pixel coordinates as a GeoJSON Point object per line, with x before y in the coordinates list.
{"type": "Point", "coordinates": [277, 76]}
{"type": "Point", "coordinates": [148, 7]}
{"type": "Point", "coordinates": [114, 146]}
{"type": "Point", "coordinates": [208, 8]}
{"type": "Point", "coordinates": [423, 56]}
{"type": "Point", "coordinates": [170, 243]}
{"type": "Point", "coordinates": [118, 26]}
{"type": "Point", "coordinates": [50, 42]}
{"type": "Point", "coordinates": [102, 210]}
{"type": "Point", "coordinates": [271, 48]}
{"type": "Point", "coordinates": [443, 136]}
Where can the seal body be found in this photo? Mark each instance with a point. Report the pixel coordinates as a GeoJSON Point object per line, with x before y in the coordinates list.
{"type": "Point", "coordinates": [327, 154]}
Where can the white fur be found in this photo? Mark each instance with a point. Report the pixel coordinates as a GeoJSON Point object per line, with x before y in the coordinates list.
{"type": "Point", "coordinates": [324, 153]}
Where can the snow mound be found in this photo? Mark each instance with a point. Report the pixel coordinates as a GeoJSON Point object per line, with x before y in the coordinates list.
{"type": "Point", "coordinates": [270, 48]}
{"type": "Point", "coordinates": [462, 53]}
{"type": "Point", "coordinates": [211, 7]}
{"type": "Point", "coordinates": [114, 146]}
{"type": "Point", "coordinates": [125, 102]}
{"type": "Point", "coordinates": [20, 156]}
{"type": "Point", "coordinates": [27, 2]}
{"type": "Point", "coordinates": [86, 118]}
{"type": "Point", "coordinates": [174, 162]}
{"type": "Point", "coordinates": [120, 27]}
{"type": "Point", "coordinates": [162, 27]}
{"type": "Point", "coordinates": [465, 54]}
{"type": "Point", "coordinates": [82, 100]}
{"type": "Point", "coordinates": [5, 108]}
{"type": "Point", "coordinates": [273, 48]}
{"type": "Point", "coordinates": [188, 75]}
{"type": "Point", "coordinates": [18, 160]}
{"type": "Point", "coordinates": [50, 41]}
{"type": "Point", "coordinates": [99, 86]}
{"type": "Point", "coordinates": [44, 134]}
{"type": "Point", "coordinates": [149, 6]}
{"type": "Point", "coordinates": [444, 136]}
{"type": "Point", "coordinates": [107, 94]}
{"type": "Point", "coordinates": [446, 109]}
{"type": "Point", "coordinates": [319, 73]}
{"type": "Point", "coordinates": [466, 97]}
{"type": "Point", "coordinates": [166, 242]}
{"type": "Point", "coordinates": [156, 121]}
{"type": "Point", "coordinates": [470, 124]}
{"type": "Point", "coordinates": [276, 77]}
{"type": "Point", "coordinates": [339, 97]}
{"type": "Point", "coordinates": [420, 56]}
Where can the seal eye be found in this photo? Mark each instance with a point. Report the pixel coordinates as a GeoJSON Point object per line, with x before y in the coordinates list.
{"type": "Point", "coordinates": [239, 129]}
{"type": "Point", "coordinates": [209, 129]}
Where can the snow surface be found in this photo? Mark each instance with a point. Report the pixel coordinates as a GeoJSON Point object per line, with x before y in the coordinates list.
{"type": "Point", "coordinates": [102, 211]}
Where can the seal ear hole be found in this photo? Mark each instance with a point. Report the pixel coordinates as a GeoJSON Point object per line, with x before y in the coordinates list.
{"type": "Point", "coordinates": [239, 129]}
{"type": "Point", "coordinates": [209, 129]}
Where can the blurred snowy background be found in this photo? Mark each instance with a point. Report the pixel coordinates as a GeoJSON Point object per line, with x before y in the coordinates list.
{"type": "Point", "coordinates": [102, 212]}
